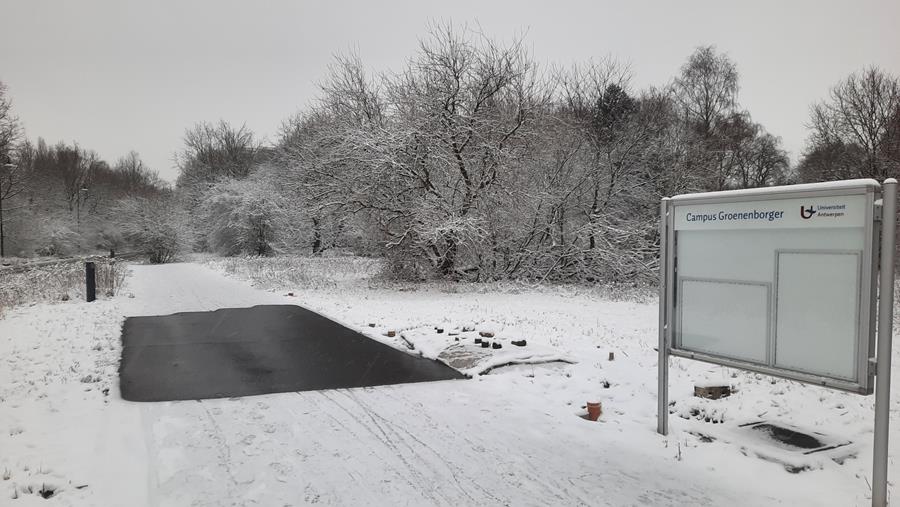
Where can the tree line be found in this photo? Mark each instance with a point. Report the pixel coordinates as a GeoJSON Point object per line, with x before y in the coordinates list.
{"type": "Point", "coordinates": [62, 199]}
{"type": "Point", "coordinates": [473, 162]}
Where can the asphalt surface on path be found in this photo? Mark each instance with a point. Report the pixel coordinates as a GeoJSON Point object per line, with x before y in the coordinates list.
{"type": "Point", "coordinates": [259, 350]}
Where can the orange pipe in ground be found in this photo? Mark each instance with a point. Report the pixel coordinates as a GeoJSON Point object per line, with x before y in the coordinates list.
{"type": "Point", "coordinates": [594, 410]}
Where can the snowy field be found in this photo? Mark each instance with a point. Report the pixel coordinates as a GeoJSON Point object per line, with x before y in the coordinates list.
{"type": "Point", "coordinates": [511, 435]}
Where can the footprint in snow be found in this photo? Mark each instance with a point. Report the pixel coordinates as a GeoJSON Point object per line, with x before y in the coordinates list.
{"type": "Point", "coordinates": [282, 470]}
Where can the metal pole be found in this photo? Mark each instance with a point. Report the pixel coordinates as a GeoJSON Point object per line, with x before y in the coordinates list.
{"type": "Point", "coordinates": [885, 325]}
{"type": "Point", "coordinates": [90, 281]}
{"type": "Point", "coordinates": [662, 392]}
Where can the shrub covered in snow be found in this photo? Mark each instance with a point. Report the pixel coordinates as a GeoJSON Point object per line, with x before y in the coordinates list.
{"type": "Point", "coordinates": [153, 227]}
{"type": "Point", "coordinates": [300, 271]}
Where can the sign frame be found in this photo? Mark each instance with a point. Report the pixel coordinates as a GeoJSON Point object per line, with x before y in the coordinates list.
{"type": "Point", "coordinates": [876, 290]}
{"type": "Point", "coordinates": [863, 381]}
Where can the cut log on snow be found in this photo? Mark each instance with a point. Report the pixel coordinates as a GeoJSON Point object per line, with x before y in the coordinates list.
{"type": "Point", "coordinates": [712, 392]}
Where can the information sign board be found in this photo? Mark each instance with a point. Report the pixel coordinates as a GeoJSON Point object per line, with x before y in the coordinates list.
{"type": "Point", "coordinates": [784, 281]}
{"type": "Point", "coordinates": [777, 280]}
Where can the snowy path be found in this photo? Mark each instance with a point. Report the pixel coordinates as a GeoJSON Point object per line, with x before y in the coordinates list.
{"type": "Point", "coordinates": [458, 443]}
{"type": "Point", "coordinates": [499, 439]}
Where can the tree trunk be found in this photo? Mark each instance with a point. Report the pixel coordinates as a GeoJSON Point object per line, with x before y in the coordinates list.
{"type": "Point", "coordinates": [448, 262]}
{"type": "Point", "coordinates": [317, 237]}
{"type": "Point", "coordinates": [2, 251]}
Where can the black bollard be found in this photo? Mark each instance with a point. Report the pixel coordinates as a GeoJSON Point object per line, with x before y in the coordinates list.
{"type": "Point", "coordinates": [90, 281]}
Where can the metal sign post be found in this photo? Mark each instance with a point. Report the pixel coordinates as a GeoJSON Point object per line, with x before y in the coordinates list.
{"type": "Point", "coordinates": [662, 423]}
{"type": "Point", "coordinates": [734, 270]}
{"type": "Point", "coordinates": [885, 338]}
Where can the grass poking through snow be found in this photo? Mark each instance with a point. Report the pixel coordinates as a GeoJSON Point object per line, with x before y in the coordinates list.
{"type": "Point", "coordinates": [58, 282]}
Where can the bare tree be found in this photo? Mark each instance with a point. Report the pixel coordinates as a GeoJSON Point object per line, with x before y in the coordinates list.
{"type": "Point", "coordinates": [349, 95]}
{"type": "Point", "coordinates": [763, 162]}
{"type": "Point", "coordinates": [12, 179]}
{"type": "Point", "coordinates": [214, 151]}
{"type": "Point", "coordinates": [856, 128]}
{"type": "Point", "coordinates": [707, 88]}
{"type": "Point", "coordinates": [10, 129]}
{"type": "Point", "coordinates": [137, 178]}
{"type": "Point", "coordinates": [421, 154]}
{"type": "Point", "coordinates": [462, 109]}
{"type": "Point", "coordinates": [596, 100]}
{"type": "Point", "coordinates": [12, 183]}
{"type": "Point", "coordinates": [323, 167]}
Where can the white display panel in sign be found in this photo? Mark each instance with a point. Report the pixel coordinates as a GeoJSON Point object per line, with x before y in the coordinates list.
{"type": "Point", "coordinates": [778, 282]}
{"type": "Point", "coordinates": [818, 344]}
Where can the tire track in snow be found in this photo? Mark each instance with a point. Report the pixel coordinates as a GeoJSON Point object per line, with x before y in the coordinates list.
{"type": "Point", "coordinates": [478, 447]}
{"type": "Point", "coordinates": [454, 469]}
{"type": "Point", "coordinates": [386, 424]}
{"type": "Point", "coordinates": [551, 489]}
{"type": "Point", "coordinates": [421, 483]}
{"type": "Point", "coordinates": [339, 423]}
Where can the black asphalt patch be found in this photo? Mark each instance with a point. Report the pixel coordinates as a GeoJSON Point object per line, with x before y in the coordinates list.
{"type": "Point", "coordinates": [259, 350]}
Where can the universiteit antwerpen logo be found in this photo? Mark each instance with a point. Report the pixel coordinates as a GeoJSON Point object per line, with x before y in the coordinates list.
{"type": "Point", "coordinates": [807, 213]}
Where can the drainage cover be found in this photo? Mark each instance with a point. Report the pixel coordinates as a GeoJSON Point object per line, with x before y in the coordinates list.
{"type": "Point", "coordinates": [794, 439]}
{"type": "Point", "coordinates": [789, 437]}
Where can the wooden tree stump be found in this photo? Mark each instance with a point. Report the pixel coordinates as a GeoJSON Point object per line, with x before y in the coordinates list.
{"type": "Point", "coordinates": [712, 392]}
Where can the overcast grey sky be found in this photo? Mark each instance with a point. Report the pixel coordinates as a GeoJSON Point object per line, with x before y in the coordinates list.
{"type": "Point", "coordinates": [119, 75]}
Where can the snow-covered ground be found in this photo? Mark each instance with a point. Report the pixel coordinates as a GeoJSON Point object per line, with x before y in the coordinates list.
{"type": "Point", "coordinates": [512, 435]}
